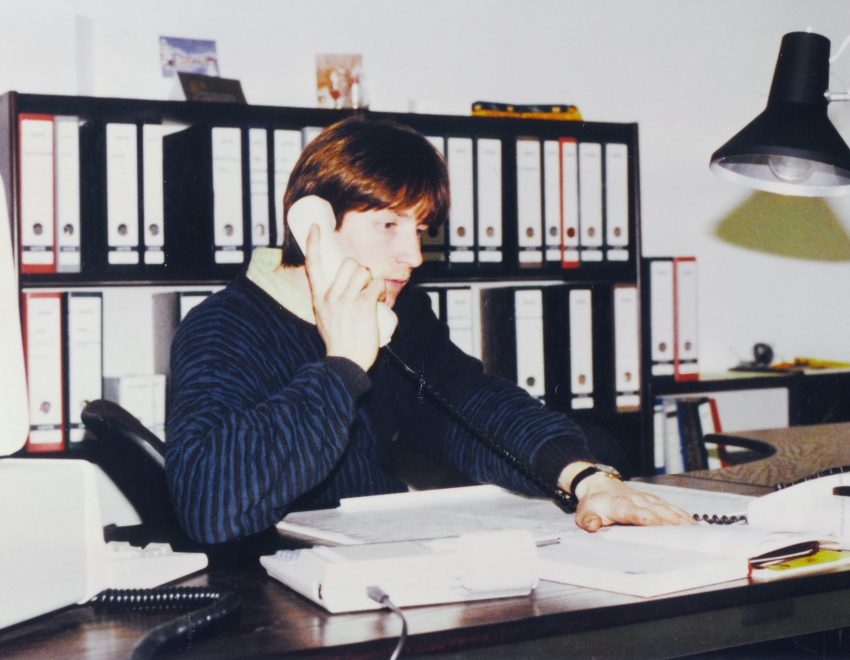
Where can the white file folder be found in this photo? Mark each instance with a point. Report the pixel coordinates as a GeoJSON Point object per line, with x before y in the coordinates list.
{"type": "Point", "coordinates": [84, 328]}
{"type": "Point", "coordinates": [43, 350]}
{"type": "Point", "coordinates": [686, 344]}
{"type": "Point", "coordinates": [530, 363]}
{"type": "Point", "coordinates": [460, 317]}
{"type": "Point", "coordinates": [489, 192]}
{"type": "Point", "coordinates": [590, 200]}
{"type": "Point", "coordinates": [258, 183]}
{"type": "Point", "coordinates": [67, 183]}
{"type": "Point", "coordinates": [461, 216]}
{"type": "Point", "coordinates": [661, 316]}
{"type": "Point", "coordinates": [37, 220]}
{"type": "Point", "coordinates": [529, 202]}
{"type": "Point", "coordinates": [569, 203]}
{"type": "Point", "coordinates": [552, 200]}
{"type": "Point", "coordinates": [122, 194]}
{"type": "Point", "coordinates": [581, 349]}
{"type": "Point", "coordinates": [626, 347]}
{"type": "Point", "coordinates": [227, 195]}
{"type": "Point", "coordinates": [287, 149]}
{"type": "Point", "coordinates": [434, 240]}
{"type": "Point", "coordinates": [617, 201]}
{"type": "Point", "coordinates": [152, 194]}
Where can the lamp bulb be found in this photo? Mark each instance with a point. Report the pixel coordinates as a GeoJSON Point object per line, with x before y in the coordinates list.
{"type": "Point", "coordinates": [790, 169]}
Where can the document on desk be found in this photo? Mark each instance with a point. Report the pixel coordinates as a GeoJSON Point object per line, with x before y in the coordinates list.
{"type": "Point", "coordinates": [455, 511]}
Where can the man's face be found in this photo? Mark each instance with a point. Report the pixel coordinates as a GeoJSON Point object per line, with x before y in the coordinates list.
{"type": "Point", "coordinates": [386, 242]}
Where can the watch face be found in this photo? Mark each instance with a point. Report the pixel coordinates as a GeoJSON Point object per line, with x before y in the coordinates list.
{"type": "Point", "coordinates": [607, 469]}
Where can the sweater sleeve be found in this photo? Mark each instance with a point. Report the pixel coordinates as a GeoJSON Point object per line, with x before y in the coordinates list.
{"type": "Point", "coordinates": [544, 441]}
{"type": "Point", "coordinates": [241, 445]}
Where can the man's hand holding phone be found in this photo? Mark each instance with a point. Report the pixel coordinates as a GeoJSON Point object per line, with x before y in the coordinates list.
{"type": "Point", "coordinates": [346, 306]}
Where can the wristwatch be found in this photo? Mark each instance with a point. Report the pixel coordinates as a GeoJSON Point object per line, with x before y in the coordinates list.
{"type": "Point", "coordinates": [596, 468]}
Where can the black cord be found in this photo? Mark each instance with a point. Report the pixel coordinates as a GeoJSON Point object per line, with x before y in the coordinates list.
{"type": "Point", "coordinates": [379, 596]}
{"type": "Point", "coordinates": [560, 498]}
{"type": "Point", "coordinates": [719, 520]}
{"type": "Point", "coordinates": [207, 607]}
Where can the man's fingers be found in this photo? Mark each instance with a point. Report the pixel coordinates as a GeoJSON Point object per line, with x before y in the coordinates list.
{"type": "Point", "coordinates": [313, 262]}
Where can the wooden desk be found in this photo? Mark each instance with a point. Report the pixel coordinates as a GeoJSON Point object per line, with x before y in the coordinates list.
{"type": "Point", "coordinates": [556, 619]}
{"type": "Point", "coordinates": [799, 452]}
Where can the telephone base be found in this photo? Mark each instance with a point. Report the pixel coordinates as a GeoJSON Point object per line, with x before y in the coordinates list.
{"type": "Point", "coordinates": [470, 567]}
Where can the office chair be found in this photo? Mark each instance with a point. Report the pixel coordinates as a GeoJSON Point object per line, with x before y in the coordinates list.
{"type": "Point", "coordinates": [134, 458]}
{"type": "Point", "coordinates": [753, 450]}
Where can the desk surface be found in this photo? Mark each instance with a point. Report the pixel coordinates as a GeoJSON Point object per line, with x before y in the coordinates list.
{"type": "Point", "coordinates": [555, 618]}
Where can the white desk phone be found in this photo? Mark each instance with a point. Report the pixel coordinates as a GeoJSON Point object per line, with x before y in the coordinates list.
{"type": "Point", "coordinates": [313, 210]}
{"type": "Point", "coordinates": [819, 503]}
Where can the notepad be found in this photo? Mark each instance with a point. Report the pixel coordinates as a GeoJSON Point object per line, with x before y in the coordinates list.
{"type": "Point", "coordinates": [650, 561]}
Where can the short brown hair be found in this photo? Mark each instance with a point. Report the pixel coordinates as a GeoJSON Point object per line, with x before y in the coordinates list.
{"type": "Point", "coordinates": [365, 164]}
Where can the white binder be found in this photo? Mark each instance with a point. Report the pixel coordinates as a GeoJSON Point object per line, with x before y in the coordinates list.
{"type": "Point", "coordinates": [552, 200]}
{"type": "Point", "coordinates": [460, 317]}
{"type": "Point", "coordinates": [67, 182]}
{"type": "Point", "coordinates": [489, 192]}
{"type": "Point", "coordinates": [686, 344]}
{"type": "Point", "coordinates": [461, 216]}
{"type": "Point", "coordinates": [122, 194]}
{"type": "Point", "coordinates": [661, 316]}
{"type": "Point", "coordinates": [530, 363]}
{"type": "Point", "coordinates": [152, 194]}
{"type": "Point", "coordinates": [84, 327]}
{"type": "Point", "coordinates": [626, 348]}
{"type": "Point", "coordinates": [37, 237]}
{"type": "Point", "coordinates": [569, 203]}
{"type": "Point", "coordinates": [258, 184]}
{"type": "Point", "coordinates": [617, 201]}
{"type": "Point", "coordinates": [529, 202]}
{"type": "Point", "coordinates": [43, 350]}
{"type": "Point", "coordinates": [227, 195]}
{"type": "Point", "coordinates": [590, 200]}
{"type": "Point", "coordinates": [287, 149]}
{"type": "Point", "coordinates": [581, 349]}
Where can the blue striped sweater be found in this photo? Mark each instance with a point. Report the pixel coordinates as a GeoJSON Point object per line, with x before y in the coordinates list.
{"type": "Point", "coordinates": [262, 421]}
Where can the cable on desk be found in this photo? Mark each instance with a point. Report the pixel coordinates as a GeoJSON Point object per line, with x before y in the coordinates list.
{"type": "Point", "coordinates": [714, 519]}
{"type": "Point", "coordinates": [207, 607]}
{"type": "Point", "coordinates": [377, 594]}
{"type": "Point", "coordinates": [557, 495]}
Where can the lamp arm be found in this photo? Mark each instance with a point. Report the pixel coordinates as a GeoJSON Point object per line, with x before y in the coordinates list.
{"type": "Point", "coordinates": [837, 96]}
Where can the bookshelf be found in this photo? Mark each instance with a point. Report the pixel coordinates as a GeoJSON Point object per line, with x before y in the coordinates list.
{"type": "Point", "coordinates": [545, 210]}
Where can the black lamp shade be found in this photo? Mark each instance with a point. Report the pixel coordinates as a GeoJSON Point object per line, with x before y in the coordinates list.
{"type": "Point", "coordinates": [791, 148]}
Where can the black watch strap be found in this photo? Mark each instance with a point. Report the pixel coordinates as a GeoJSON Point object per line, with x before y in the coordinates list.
{"type": "Point", "coordinates": [581, 476]}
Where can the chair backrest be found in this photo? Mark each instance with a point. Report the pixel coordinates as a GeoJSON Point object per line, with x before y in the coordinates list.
{"type": "Point", "coordinates": [134, 458]}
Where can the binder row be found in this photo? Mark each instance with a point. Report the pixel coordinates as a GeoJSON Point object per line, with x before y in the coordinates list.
{"type": "Point", "coordinates": [111, 198]}
{"type": "Point", "coordinates": [553, 340]}
{"type": "Point", "coordinates": [672, 303]}
{"type": "Point", "coordinates": [130, 199]}
{"type": "Point", "coordinates": [63, 351]}
{"type": "Point", "coordinates": [572, 203]}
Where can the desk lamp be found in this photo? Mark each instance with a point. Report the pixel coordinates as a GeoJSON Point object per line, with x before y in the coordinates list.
{"type": "Point", "coordinates": [792, 148]}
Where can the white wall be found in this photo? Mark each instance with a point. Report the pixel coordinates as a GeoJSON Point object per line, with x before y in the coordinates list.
{"type": "Point", "coordinates": [690, 73]}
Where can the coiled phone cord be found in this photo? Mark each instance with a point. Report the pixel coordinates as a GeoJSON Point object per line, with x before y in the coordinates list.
{"type": "Point", "coordinates": [553, 491]}
{"type": "Point", "coordinates": [208, 608]}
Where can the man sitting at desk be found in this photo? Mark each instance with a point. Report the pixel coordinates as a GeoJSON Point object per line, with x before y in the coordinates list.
{"type": "Point", "coordinates": [281, 397]}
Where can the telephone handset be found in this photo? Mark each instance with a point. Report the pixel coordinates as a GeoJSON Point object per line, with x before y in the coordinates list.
{"type": "Point", "coordinates": [313, 210]}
